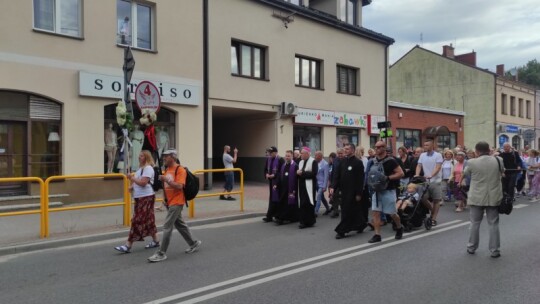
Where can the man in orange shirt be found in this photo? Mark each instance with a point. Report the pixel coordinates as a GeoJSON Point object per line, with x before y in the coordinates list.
{"type": "Point", "coordinates": [174, 180]}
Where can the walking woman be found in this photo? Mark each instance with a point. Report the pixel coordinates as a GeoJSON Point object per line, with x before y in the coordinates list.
{"type": "Point", "coordinates": [447, 168]}
{"type": "Point", "coordinates": [143, 223]}
{"type": "Point", "coordinates": [406, 161]}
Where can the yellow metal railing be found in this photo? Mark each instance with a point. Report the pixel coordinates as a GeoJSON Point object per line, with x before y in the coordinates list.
{"type": "Point", "coordinates": [126, 203]}
{"type": "Point", "coordinates": [41, 211]}
{"type": "Point", "coordinates": [241, 191]}
{"type": "Point", "coordinates": [44, 191]}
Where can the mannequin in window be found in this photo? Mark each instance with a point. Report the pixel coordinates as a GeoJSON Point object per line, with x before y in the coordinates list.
{"type": "Point", "coordinates": [162, 138]}
{"type": "Point", "coordinates": [110, 146]}
{"type": "Point", "coordinates": [137, 139]}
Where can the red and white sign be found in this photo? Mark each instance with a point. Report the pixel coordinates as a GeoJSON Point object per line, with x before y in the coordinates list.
{"type": "Point", "coordinates": [147, 96]}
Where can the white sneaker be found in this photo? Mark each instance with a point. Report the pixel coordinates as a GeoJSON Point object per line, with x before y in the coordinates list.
{"type": "Point", "coordinates": [194, 247]}
{"type": "Point", "coordinates": [157, 257]}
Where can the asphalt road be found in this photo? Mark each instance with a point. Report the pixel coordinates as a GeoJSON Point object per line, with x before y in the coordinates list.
{"type": "Point", "coordinates": [248, 261]}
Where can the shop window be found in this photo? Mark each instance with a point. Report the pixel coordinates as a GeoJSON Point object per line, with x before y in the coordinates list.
{"type": "Point", "coordinates": [165, 132]}
{"type": "Point", "coordinates": [248, 60]}
{"type": "Point", "coordinates": [408, 138]}
{"type": "Point", "coordinates": [307, 72]}
{"type": "Point", "coordinates": [346, 136]}
{"type": "Point", "coordinates": [373, 140]}
{"type": "Point", "coordinates": [30, 139]}
{"type": "Point", "coordinates": [347, 80]}
{"type": "Point", "coordinates": [307, 136]}
{"type": "Point", "coordinates": [447, 141]}
{"type": "Point", "coordinates": [135, 24]}
{"type": "Point", "coordinates": [59, 16]}
{"type": "Point", "coordinates": [516, 142]}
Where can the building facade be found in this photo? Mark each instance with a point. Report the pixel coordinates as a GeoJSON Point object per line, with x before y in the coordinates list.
{"type": "Point", "coordinates": [446, 81]}
{"type": "Point", "coordinates": [61, 79]}
{"type": "Point", "coordinates": [247, 73]}
{"type": "Point", "coordinates": [515, 112]}
{"type": "Point", "coordinates": [412, 125]}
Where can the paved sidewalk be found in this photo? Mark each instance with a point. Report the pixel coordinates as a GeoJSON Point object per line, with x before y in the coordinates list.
{"type": "Point", "coordinates": [21, 233]}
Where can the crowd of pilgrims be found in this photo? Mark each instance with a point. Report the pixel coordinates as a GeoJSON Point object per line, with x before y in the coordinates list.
{"type": "Point", "coordinates": [300, 184]}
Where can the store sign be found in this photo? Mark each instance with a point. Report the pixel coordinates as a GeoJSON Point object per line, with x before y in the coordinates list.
{"type": "Point", "coordinates": [373, 120]}
{"type": "Point", "coordinates": [350, 120]}
{"type": "Point", "coordinates": [107, 86]}
{"type": "Point", "coordinates": [512, 129]}
{"type": "Point", "coordinates": [314, 117]}
{"type": "Point", "coordinates": [329, 118]}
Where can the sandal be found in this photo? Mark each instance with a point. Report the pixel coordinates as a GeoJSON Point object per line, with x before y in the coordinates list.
{"type": "Point", "coordinates": [123, 248]}
{"type": "Point", "coordinates": [152, 244]}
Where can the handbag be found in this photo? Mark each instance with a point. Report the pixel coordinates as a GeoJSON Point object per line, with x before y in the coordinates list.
{"type": "Point", "coordinates": [507, 203]}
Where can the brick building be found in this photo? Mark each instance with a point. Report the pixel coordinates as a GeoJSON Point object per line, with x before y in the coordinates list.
{"type": "Point", "coordinates": [412, 125]}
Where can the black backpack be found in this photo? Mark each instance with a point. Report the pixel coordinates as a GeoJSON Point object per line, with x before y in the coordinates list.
{"type": "Point", "coordinates": [156, 183]}
{"type": "Point", "coordinates": [191, 187]}
{"type": "Point", "coordinates": [376, 179]}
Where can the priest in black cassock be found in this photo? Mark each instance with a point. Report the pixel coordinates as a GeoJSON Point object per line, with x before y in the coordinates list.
{"type": "Point", "coordinates": [349, 178]}
{"type": "Point", "coordinates": [271, 172]}
{"type": "Point", "coordinates": [288, 191]}
{"type": "Point", "coordinates": [307, 188]}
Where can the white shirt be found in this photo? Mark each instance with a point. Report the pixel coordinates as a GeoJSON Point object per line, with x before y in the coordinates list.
{"type": "Point", "coordinates": [147, 190]}
{"type": "Point", "coordinates": [428, 162]}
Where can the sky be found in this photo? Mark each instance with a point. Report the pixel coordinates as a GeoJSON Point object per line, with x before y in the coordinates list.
{"type": "Point", "coordinates": [499, 31]}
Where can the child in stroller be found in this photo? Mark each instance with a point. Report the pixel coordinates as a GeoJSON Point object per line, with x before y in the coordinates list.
{"type": "Point", "coordinates": [412, 212]}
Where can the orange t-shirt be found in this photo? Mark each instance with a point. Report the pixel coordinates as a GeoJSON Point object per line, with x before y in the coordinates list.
{"type": "Point", "coordinates": [175, 196]}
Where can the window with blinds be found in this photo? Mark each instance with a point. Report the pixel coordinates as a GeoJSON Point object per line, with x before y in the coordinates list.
{"type": "Point", "coordinates": [347, 80]}
{"type": "Point", "coordinates": [44, 109]}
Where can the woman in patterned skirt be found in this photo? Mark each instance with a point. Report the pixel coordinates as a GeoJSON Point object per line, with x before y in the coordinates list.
{"type": "Point", "coordinates": [143, 223]}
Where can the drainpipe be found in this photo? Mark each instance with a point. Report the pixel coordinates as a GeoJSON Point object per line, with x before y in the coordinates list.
{"type": "Point", "coordinates": [205, 92]}
{"type": "Point", "coordinates": [496, 140]}
{"type": "Point", "coordinates": [386, 90]}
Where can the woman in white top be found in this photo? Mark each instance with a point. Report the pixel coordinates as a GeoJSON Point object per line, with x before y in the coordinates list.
{"type": "Point", "coordinates": [446, 169]}
{"type": "Point", "coordinates": [143, 223]}
{"type": "Point", "coordinates": [534, 167]}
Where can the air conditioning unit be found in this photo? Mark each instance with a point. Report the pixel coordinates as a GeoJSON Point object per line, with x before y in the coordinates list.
{"type": "Point", "coordinates": [288, 109]}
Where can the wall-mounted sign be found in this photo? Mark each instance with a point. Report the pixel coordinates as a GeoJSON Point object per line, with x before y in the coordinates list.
{"type": "Point", "coordinates": [99, 85]}
{"type": "Point", "coordinates": [329, 118]}
{"type": "Point", "coordinates": [372, 121]}
{"type": "Point", "coordinates": [147, 97]}
{"type": "Point", "coordinates": [350, 120]}
{"type": "Point", "coordinates": [512, 129]}
{"type": "Point", "coordinates": [314, 117]}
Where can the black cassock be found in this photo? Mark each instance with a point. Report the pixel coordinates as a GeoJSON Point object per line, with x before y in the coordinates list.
{"type": "Point", "coordinates": [307, 205]}
{"type": "Point", "coordinates": [349, 178]}
{"type": "Point", "coordinates": [273, 165]}
{"type": "Point", "coordinates": [288, 193]}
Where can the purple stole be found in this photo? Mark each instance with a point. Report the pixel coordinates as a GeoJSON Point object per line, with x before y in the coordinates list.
{"type": "Point", "coordinates": [272, 168]}
{"type": "Point", "coordinates": [291, 188]}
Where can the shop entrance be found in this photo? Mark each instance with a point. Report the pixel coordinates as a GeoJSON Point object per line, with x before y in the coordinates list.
{"type": "Point", "coordinates": [13, 157]}
{"type": "Point", "coordinates": [251, 131]}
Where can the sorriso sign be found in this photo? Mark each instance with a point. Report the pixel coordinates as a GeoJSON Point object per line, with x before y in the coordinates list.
{"type": "Point", "coordinates": [100, 85]}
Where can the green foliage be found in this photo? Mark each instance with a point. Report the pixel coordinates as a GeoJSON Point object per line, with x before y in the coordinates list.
{"type": "Point", "coordinates": [530, 73]}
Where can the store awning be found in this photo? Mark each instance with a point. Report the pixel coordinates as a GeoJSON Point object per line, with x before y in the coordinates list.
{"type": "Point", "coordinates": [436, 131]}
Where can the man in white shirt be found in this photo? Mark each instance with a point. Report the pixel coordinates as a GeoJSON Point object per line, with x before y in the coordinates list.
{"type": "Point", "coordinates": [430, 162]}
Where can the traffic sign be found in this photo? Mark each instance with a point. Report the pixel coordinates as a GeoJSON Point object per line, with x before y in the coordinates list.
{"type": "Point", "coordinates": [147, 96]}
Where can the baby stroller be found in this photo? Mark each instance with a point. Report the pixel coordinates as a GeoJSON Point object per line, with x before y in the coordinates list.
{"type": "Point", "coordinates": [415, 214]}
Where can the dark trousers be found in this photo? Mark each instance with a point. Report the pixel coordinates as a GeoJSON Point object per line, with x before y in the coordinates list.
{"type": "Point", "coordinates": [520, 183]}
{"type": "Point", "coordinates": [509, 183]}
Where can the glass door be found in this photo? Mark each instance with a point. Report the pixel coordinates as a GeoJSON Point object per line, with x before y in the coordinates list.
{"type": "Point", "coordinates": [13, 157]}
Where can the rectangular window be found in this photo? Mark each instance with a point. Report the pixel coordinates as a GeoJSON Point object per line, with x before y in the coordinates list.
{"type": "Point", "coordinates": [347, 80]}
{"type": "Point", "coordinates": [504, 105]}
{"type": "Point", "coordinates": [247, 60]}
{"type": "Point", "coordinates": [307, 72]}
{"type": "Point", "coordinates": [135, 24]}
{"type": "Point", "coordinates": [295, 2]}
{"type": "Point", "coordinates": [408, 138]}
{"type": "Point", "coordinates": [348, 11]}
{"type": "Point", "coordinates": [528, 109]}
{"type": "Point", "coordinates": [59, 16]}
{"type": "Point", "coordinates": [512, 106]}
{"type": "Point", "coordinates": [520, 107]}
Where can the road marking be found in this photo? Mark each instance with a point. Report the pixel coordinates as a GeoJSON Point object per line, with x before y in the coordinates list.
{"type": "Point", "coordinates": [297, 270]}
{"type": "Point", "coordinates": [520, 206]}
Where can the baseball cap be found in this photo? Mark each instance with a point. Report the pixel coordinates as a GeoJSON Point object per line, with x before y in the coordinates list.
{"type": "Point", "coordinates": [170, 152]}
